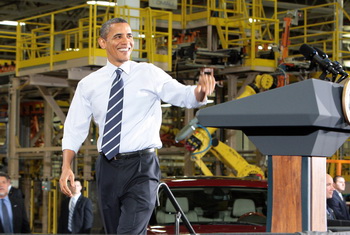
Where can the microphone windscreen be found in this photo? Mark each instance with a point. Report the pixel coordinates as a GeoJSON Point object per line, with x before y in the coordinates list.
{"type": "Point", "coordinates": [307, 51]}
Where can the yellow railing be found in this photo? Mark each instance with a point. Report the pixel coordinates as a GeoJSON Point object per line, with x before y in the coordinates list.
{"type": "Point", "coordinates": [335, 167]}
{"type": "Point", "coordinates": [8, 48]}
{"type": "Point", "coordinates": [10, 37]}
{"type": "Point", "coordinates": [46, 44]}
{"type": "Point", "coordinates": [327, 34]}
{"type": "Point", "coordinates": [339, 163]}
{"type": "Point", "coordinates": [240, 25]}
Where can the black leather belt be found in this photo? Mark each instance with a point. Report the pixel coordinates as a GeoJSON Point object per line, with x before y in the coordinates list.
{"type": "Point", "coordinates": [129, 155]}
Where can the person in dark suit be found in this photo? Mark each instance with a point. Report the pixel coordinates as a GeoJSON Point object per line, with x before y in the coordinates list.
{"type": "Point", "coordinates": [337, 202]}
{"type": "Point", "coordinates": [329, 195]}
{"type": "Point", "coordinates": [15, 192]}
{"type": "Point", "coordinates": [18, 223]}
{"type": "Point", "coordinates": [78, 210]}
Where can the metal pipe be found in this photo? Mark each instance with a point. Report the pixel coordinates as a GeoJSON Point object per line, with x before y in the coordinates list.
{"type": "Point", "coordinates": [176, 206]}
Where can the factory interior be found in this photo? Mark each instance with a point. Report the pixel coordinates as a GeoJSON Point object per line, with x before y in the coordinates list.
{"type": "Point", "coordinates": [252, 46]}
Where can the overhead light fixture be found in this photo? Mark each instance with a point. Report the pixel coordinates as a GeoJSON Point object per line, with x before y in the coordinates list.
{"type": "Point", "coordinates": [102, 3]}
{"type": "Point", "coordinates": [10, 23]}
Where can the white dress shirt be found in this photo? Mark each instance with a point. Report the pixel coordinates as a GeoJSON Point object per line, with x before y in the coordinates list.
{"type": "Point", "coordinates": [74, 199]}
{"type": "Point", "coordinates": [145, 85]}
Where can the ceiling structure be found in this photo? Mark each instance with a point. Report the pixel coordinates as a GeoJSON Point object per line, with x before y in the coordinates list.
{"type": "Point", "coordinates": [19, 9]}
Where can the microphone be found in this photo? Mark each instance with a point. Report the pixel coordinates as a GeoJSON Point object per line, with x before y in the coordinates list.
{"type": "Point", "coordinates": [321, 53]}
{"type": "Point", "coordinates": [342, 72]}
{"type": "Point", "coordinates": [336, 65]}
{"type": "Point", "coordinates": [187, 130]}
{"type": "Point", "coordinates": [310, 53]}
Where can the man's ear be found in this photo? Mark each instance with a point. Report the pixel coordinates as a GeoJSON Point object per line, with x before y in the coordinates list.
{"type": "Point", "coordinates": [102, 43]}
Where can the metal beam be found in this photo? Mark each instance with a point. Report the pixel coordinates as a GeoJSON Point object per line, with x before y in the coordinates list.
{"type": "Point", "coordinates": [29, 11]}
{"type": "Point", "coordinates": [50, 100]}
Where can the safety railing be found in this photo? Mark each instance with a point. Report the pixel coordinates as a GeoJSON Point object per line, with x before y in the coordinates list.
{"type": "Point", "coordinates": [240, 24]}
{"type": "Point", "coordinates": [54, 42]}
{"type": "Point", "coordinates": [329, 34]}
{"type": "Point", "coordinates": [180, 215]}
{"type": "Point", "coordinates": [339, 164]}
{"type": "Point", "coordinates": [9, 49]}
{"type": "Point", "coordinates": [10, 37]}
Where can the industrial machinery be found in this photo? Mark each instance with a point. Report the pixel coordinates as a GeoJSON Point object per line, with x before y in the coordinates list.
{"type": "Point", "coordinates": [201, 142]}
{"type": "Point", "coordinates": [187, 55]}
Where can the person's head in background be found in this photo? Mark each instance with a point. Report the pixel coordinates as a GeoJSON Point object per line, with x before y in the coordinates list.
{"type": "Point", "coordinates": [5, 182]}
{"type": "Point", "coordinates": [78, 187]}
{"type": "Point", "coordinates": [339, 183]}
{"type": "Point", "coordinates": [329, 186]}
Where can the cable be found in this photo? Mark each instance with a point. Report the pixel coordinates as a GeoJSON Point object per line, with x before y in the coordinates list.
{"type": "Point", "coordinates": [210, 139]}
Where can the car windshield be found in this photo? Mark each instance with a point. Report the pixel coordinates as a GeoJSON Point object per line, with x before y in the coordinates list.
{"type": "Point", "coordinates": [215, 205]}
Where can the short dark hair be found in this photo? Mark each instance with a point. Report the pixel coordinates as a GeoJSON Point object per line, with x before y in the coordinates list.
{"type": "Point", "coordinates": [81, 181]}
{"type": "Point", "coordinates": [3, 174]}
{"type": "Point", "coordinates": [105, 26]}
{"type": "Point", "coordinates": [336, 178]}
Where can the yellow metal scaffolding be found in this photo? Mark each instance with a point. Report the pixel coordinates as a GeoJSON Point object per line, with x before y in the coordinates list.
{"type": "Point", "coordinates": [47, 48]}
{"type": "Point", "coordinates": [327, 34]}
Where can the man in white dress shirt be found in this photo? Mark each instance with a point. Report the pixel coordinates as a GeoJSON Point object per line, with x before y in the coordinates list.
{"type": "Point", "coordinates": [127, 183]}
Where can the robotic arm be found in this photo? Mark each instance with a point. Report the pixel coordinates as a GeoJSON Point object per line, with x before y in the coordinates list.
{"type": "Point", "coordinates": [199, 140]}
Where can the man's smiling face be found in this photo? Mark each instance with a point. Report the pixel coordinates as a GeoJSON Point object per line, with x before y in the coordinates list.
{"type": "Point", "coordinates": [4, 186]}
{"type": "Point", "coordinates": [119, 43]}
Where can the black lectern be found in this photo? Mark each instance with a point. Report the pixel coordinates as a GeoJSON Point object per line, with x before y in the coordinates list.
{"type": "Point", "coordinates": [297, 126]}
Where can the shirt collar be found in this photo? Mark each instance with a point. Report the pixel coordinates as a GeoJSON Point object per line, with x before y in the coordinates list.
{"type": "Point", "coordinates": [6, 198]}
{"type": "Point", "coordinates": [75, 197]}
{"type": "Point", "coordinates": [112, 68]}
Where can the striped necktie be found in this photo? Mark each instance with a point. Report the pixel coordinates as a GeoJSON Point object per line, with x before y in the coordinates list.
{"type": "Point", "coordinates": [70, 215]}
{"type": "Point", "coordinates": [112, 129]}
{"type": "Point", "coordinates": [6, 223]}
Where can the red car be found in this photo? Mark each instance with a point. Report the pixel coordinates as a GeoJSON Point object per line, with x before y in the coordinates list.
{"type": "Point", "coordinates": [211, 205]}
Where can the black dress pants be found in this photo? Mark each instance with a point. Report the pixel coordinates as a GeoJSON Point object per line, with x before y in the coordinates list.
{"type": "Point", "coordinates": [127, 191]}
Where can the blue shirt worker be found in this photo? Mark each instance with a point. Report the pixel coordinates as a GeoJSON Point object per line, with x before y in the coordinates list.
{"type": "Point", "coordinates": [124, 100]}
{"type": "Point", "coordinates": [12, 211]}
